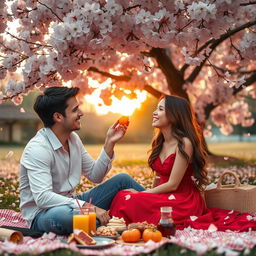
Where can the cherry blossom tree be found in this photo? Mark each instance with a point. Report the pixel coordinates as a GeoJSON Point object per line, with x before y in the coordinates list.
{"type": "Point", "coordinates": [202, 50]}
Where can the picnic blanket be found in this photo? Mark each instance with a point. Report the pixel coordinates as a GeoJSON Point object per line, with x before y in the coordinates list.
{"type": "Point", "coordinates": [197, 240]}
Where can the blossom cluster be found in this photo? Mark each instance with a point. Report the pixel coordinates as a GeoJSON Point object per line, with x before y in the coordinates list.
{"type": "Point", "coordinates": [57, 41]}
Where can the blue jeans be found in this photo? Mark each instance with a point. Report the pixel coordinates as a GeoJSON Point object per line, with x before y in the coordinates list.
{"type": "Point", "coordinates": [59, 219]}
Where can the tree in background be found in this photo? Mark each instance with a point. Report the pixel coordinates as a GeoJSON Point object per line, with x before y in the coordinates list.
{"type": "Point", "coordinates": [204, 51]}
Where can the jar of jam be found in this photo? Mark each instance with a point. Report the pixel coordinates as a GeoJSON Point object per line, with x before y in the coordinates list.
{"type": "Point", "coordinates": [166, 224]}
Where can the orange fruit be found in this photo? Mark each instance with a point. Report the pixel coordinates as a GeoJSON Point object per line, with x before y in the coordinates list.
{"type": "Point", "coordinates": [124, 120]}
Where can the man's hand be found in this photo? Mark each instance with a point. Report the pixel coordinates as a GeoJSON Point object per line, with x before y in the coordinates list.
{"type": "Point", "coordinates": [102, 215]}
{"type": "Point", "coordinates": [114, 134]}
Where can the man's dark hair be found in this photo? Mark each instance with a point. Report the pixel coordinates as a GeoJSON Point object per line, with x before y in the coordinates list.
{"type": "Point", "coordinates": [54, 99]}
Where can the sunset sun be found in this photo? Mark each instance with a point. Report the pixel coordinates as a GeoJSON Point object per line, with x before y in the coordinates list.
{"type": "Point", "coordinates": [124, 106]}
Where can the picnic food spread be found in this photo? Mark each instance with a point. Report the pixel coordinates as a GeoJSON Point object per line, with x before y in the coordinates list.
{"type": "Point", "coordinates": [152, 234]}
{"type": "Point", "coordinates": [131, 235]}
{"type": "Point", "coordinates": [138, 232]}
{"type": "Point", "coordinates": [80, 237]}
{"type": "Point", "coordinates": [117, 223]}
{"type": "Point", "coordinates": [143, 230]}
{"type": "Point", "coordinates": [141, 226]}
{"type": "Point", "coordinates": [106, 231]}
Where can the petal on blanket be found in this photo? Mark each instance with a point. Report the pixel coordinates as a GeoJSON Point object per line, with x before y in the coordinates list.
{"type": "Point", "coordinates": [249, 217]}
{"type": "Point", "coordinates": [193, 218]}
{"type": "Point", "coordinates": [127, 197]}
{"type": "Point", "coordinates": [171, 197]}
{"type": "Point", "coordinates": [212, 228]}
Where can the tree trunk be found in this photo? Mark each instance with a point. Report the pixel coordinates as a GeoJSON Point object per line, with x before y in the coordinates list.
{"type": "Point", "coordinates": [174, 78]}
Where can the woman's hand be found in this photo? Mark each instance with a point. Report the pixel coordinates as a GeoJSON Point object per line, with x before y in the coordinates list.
{"type": "Point", "coordinates": [102, 215]}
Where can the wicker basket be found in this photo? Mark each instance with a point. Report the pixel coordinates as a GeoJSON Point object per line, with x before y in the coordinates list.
{"type": "Point", "coordinates": [238, 197]}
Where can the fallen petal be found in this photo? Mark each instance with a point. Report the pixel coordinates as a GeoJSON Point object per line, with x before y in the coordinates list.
{"type": "Point", "coordinates": [249, 217]}
{"type": "Point", "coordinates": [193, 218]}
{"type": "Point", "coordinates": [212, 228]}
{"type": "Point", "coordinates": [127, 197]}
{"type": "Point", "coordinates": [9, 154]}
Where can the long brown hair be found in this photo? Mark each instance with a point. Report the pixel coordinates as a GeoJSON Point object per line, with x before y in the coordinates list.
{"type": "Point", "coordinates": [183, 124]}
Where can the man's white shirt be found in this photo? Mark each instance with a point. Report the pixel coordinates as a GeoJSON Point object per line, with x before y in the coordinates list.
{"type": "Point", "coordinates": [49, 174]}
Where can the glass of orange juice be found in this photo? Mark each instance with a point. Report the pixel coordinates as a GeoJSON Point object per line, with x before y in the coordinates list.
{"type": "Point", "coordinates": [92, 219]}
{"type": "Point", "coordinates": [81, 221]}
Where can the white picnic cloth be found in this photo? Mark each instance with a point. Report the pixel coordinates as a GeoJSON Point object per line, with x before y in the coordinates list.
{"type": "Point", "coordinates": [198, 240]}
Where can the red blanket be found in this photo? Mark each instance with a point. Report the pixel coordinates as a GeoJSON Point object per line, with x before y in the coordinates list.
{"type": "Point", "coordinates": [12, 218]}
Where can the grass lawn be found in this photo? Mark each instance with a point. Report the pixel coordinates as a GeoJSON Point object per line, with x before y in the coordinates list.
{"type": "Point", "coordinates": [245, 150]}
{"type": "Point", "coordinates": [132, 158]}
{"type": "Point", "coordinates": [130, 154]}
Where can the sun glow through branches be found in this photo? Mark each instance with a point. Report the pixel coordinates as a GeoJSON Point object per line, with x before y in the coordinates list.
{"type": "Point", "coordinates": [124, 106]}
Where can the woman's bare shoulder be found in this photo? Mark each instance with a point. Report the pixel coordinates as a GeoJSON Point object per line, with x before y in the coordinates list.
{"type": "Point", "coordinates": [188, 145]}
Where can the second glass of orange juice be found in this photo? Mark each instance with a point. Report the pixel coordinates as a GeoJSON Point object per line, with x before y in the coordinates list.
{"type": "Point", "coordinates": [92, 219]}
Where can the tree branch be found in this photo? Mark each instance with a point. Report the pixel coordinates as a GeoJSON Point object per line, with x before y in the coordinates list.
{"type": "Point", "coordinates": [147, 87]}
{"type": "Point", "coordinates": [28, 42]}
{"type": "Point", "coordinates": [107, 74]}
{"type": "Point", "coordinates": [249, 81]}
{"type": "Point", "coordinates": [214, 43]}
{"type": "Point", "coordinates": [51, 11]}
{"type": "Point", "coordinates": [17, 63]}
{"type": "Point", "coordinates": [30, 86]}
{"type": "Point", "coordinates": [236, 49]}
{"type": "Point", "coordinates": [249, 3]}
{"type": "Point", "coordinates": [132, 7]}
{"type": "Point", "coordinates": [197, 70]}
{"type": "Point", "coordinates": [223, 37]}
{"type": "Point", "coordinates": [153, 91]}
{"type": "Point", "coordinates": [11, 50]}
{"type": "Point", "coordinates": [238, 71]}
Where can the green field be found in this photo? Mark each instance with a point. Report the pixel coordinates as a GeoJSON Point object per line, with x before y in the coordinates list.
{"type": "Point", "coordinates": [242, 150]}
{"type": "Point", "coordinates": [131, 154]}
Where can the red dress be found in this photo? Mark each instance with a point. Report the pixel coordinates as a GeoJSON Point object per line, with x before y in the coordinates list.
{"type": "Point", "coordinates": [188, 205]}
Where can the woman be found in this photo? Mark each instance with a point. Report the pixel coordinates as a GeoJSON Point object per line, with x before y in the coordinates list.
{"type": "Point", "coordinates": [179, 158]}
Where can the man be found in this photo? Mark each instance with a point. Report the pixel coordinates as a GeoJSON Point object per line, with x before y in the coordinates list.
{"type": "Point", "coordinates": [54, 160]}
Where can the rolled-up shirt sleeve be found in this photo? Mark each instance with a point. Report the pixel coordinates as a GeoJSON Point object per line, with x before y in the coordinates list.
{"type": "Point", "coordinates": [38, 163]}
{"type": "Point", "coordinates": [96, 170]}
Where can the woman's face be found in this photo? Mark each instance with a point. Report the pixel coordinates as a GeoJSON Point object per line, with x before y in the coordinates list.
{"type": "Point", "coordinates": [159, 116]}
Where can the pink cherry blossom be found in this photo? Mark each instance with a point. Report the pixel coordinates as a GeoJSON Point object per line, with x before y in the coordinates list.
{"type": "Point", "coordinates": [206, 50]}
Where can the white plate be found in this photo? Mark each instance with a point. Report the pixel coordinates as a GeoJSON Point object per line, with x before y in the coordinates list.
{"type": "Point", "coordinates": [110, 237]}
{"type": "Point", "coordinates": [100, 243]}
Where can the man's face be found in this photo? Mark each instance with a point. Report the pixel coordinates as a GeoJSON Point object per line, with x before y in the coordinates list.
{"type": "Point", "coordinates": [73, 114]}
